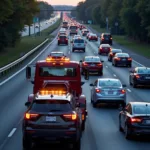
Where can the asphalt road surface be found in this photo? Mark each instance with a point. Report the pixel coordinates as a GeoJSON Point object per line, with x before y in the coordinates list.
{"type": "Point", "coordinates": [101, 133]}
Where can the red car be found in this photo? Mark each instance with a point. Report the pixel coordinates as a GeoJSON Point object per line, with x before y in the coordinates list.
{"type": "Point", "coordinates": [87, 36]}
{"type": "Point", "coordinates": [93, 37]}
{"type": "Point", "coordinates": [104, 49]}
{"type": "Point", "coordinates": [62, 39]}
{"type": "Point", "coordinates": [93, 64]}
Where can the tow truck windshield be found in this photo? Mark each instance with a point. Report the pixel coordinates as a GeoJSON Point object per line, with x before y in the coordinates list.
{"type": "Point", "coordinates": [57, 72]}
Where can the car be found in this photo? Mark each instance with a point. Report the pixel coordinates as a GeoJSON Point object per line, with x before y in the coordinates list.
{"type": "Point", "coordinates": [76, 36]}
{"type": "Point", "coordinates": [78, 44]}
{"type": "Point", "coordinates": [62, 39]}
{"type": "Point", "coordinates": [139, 76]}
{"type": "Point", "coordinates": [73, 29]}
{"type": "Point", "coordinates": [104, 49]}
{"type": "Point", "coordinates": [84, 32]}
{"type": "Point", "coordinates": [55, 54]}
{"type": "Point", "coordinates": [92, 37]}
{"type": "Point", "coordinates": [112, 53]}
{"type": "Point", "coordinates": [108, 90]}
{"type": "Point", "coordinates": [122, 59]}
{"type": "Point", "coordinates": [88, 34]}
{"type": "Point", "coordinates": [93, 63]}
{"type": "Point", "coordinates": [134, 119]}
{"type": "Point", "coordinates": [106, 38]}
{"type": "Point", "coordinates": [52, 118]}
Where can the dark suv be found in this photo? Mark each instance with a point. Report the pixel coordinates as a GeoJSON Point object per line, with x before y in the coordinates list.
{"type": "Point", "coordinates": [52, 119]}
{"type": "Point", "coordinates": [106, 38]}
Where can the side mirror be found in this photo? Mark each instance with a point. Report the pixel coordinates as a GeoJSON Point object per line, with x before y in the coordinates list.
{"type": "Point", "coordinates": [81, 61]}
{"type": "Point", "coordinates": [102, 61]}
{"type": "Point", "coordinates": [124, 85]}
{"type": "Point", "coordinates": [28, 72]}
{"type": "Point", "coordinates": [86, 75]}
{"type": "Point", "coordinates": [86, 42]}
{"type": "Point", "coordinates": [27, 104]}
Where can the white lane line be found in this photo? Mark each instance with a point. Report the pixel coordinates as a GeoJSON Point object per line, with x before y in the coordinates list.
{"type": "Point", "coordinates": [128, 90]}
{"type": "Point", "coordinates": [114, 75]}
{"type": "Point", "coordinates": [106, 66]}
{"type": "Point", "coordinates": [3, 82]}
{"type": "Point", "coordinates": [138, 63]}
{"type": "Point", "coordinates": [12, 132]}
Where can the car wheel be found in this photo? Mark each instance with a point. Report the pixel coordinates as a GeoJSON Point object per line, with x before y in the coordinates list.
{"type": "Point", "coordinates": [84, 50]}
{"type": "Point", "coordinates": [130, 65]}
{"type": "Point", "coordinates": [58, 44]}
{"type": "Point", "coordinates": [101, 73]}
{"type": "Point", "coordinates": [77, 145]}
{"type": "Point", "coordinates": [72, 50]}
{"type": "Point", "coordinates": [27, 144]}
{"type": "Point", "coordinates": [99, 53]}
{"type": "Point", "coordinates": [127, 133]}
{"type": "Point", "coordinates": [94, 104]}
{"type": "Point", "coordinates": [130, 81]}
{"type": "Point", "coordinates": [115, 64]}
{"type": "Point", "coordinates": [108, 59]}
{"type": "Point", "coordinates": [120, 128]}
{"type": "Point", "coordinates": [134, 85]}
{"type": "Point", "coordinates": [83, 126]}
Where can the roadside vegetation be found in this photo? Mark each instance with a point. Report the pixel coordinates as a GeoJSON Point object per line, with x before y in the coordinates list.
{"type": "Point", "coordinates": [127, 18]}
{"type": "Point", "coordinates": [25, 45]}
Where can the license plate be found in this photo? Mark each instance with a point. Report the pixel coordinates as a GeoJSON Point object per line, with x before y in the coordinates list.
{"type": "Point", "coordinates": [110, 92]}
{"type": "Point", "coordinates": [124, 59]}
{"type": "Point", "coordinates": [105, 48]}
{"type": "Point", "coordinates": [147, 77]}
{"type": "Point", "coordinates": [148, 121]}
{"type": "Point", "coordinates": [92, 65]}
{"type": "Point", "coordinates": [50, 119]}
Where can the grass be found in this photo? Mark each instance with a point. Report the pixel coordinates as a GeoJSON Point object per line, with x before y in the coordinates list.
{"type": "Point", "coordinates": [137, 47]}
{"type": "Point", "coordinates": [25, 45]}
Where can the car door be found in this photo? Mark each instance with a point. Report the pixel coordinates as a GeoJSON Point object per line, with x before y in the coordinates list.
{"type": "Point", "coordinates": [93, 89]}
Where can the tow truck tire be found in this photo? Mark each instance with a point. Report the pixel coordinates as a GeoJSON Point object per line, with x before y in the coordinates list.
{"type": "Point", "coordinates": [27, 144]}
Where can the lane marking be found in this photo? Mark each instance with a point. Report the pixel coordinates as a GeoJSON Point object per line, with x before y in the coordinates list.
{"type": "Point", "coordinates": [6, 80]}
{"type": "Point", "coordinates": [114, 75]}
{"type": "Point", "coordinates": [12, 132]}
{"type": "Point", "coordinates": [128, 90]}
{"type": "Point", "coordinates": [138, 63]}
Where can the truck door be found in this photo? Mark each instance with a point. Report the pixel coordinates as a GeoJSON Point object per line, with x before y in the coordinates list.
{"type": "Point", "coordinates": [30, 72]}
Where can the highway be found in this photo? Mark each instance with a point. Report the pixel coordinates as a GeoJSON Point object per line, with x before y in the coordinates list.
{"type": "Point", "coordinates": [44, 25]}
{"type": "Point", "coordinates": [101, 133]}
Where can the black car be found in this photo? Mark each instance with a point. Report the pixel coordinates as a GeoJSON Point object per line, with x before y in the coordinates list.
{"type": "Point", "coordinates": [112, 53]}
{"type": "Point", "coordinates": [134, 119]}
{"type": "Point", "coordinates": [139, 76]}
{"type": "Point", "coordinates": [106, 38]}
{"type": "Point", "coordinates": [122, 59]}
{"type": "Point", "coordinates": [52, 119]}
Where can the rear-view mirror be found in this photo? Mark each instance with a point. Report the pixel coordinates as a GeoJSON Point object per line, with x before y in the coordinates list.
{"type": "Point", "coordinates": [27, 104]}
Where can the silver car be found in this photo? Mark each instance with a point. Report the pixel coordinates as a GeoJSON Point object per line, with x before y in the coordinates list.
{"type": "Point", "coordinates": [108, 90]}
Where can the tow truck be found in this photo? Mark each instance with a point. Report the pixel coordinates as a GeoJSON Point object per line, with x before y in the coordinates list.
{"type": "Point", "coordinates": [59, 70]}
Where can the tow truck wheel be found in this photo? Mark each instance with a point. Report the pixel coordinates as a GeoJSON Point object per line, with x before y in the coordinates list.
{"type": "Point", "coordinates": [27, 144]}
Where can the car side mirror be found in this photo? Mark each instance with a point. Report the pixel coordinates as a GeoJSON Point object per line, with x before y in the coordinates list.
{"type": "Point", "coordinates": [27, 104]}
{"type": "Point", "coordinates": [91, 84]}
{"type": "Point", "coordinates": [124, 85]}
{"type": "Point", "coordinates": [81, 61]}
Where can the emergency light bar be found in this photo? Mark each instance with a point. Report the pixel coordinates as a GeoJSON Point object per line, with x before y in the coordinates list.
{"type": "Point", "coordinates": [62, 59]}
{"type": "Point", "coordinates": [46, 92]}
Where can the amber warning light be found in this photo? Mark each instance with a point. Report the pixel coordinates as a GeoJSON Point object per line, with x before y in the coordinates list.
{"type": "Point", "coordinates": [62, 59]}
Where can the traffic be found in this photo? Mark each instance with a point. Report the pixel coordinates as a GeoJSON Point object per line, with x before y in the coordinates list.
{"type": "Point", "coordinates": [82, 93]}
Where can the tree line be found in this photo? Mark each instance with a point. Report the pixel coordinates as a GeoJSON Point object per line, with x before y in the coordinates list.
{"type": "Point", "coordinates": [15, 14]}
{"type": "Point", "coordinates": [128, 16]}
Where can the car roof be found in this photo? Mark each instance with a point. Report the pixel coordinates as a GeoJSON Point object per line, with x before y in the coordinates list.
{"type": "Point", "coordinates": [139, 103]}
{"type": "Point", "coordinates": [107, 79]}
{"type": "Point", "coordinates": [91, 57]}
{"type": "Point", "coordinates": [117, 50]}
{"type": "Point", "coordinates": [105, 45]}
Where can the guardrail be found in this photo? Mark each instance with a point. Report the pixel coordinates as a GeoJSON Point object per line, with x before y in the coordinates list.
{"type": "Point", "coordinates": [18, 61]}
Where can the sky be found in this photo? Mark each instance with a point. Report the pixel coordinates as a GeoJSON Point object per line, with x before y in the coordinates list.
{"type": "Point", "coordinates": [63, 2]}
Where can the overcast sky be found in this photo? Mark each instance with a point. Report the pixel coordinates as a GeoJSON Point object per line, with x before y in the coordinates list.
{"type": "Point", "coordinates": [63, 2]}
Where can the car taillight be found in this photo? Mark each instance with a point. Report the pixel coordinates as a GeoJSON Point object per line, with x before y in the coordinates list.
{"type": "Point", "coordinates": [117, 58]}
{"type": "Point", "coordinates": [111, 38]}
{"type": "Point", "coordinates": [137, 76]}
{"type": "Point", "coordinates": [99, 64]}
{"type": "Point", "coordinates": [85, 64]}
{"type": "Point", "coordinates": [29, 116]}
{"type": "Point", "coordinates": [122, 91]}
{"type": "Point", "coordinates": [130, 59]}
{"type": "Point", "coordinates": [135, 120]}
{"type": "Point", "coordinates": [102, 38]}
{"type": "Point", "coordinates": [97, 90]}
{"type": "Point", "coordinates": [111, 54]}
{"type": "Point", "coordinates": [70, 116]}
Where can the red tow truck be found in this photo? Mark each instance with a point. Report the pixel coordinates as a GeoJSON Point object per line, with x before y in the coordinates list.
{"type": "Point", "coordinates": [58, 70]}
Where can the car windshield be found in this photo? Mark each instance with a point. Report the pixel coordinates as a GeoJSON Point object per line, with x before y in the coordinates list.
{"type": "Point", "coordinates": [108, 83]}
{"type": "Point", "coordinates": [144, 70]}
{"type": "Point", "coordinates": [107, 36]}
{"type": "Point", "coordinates": [122, 55]}
{"type": "Point", "coordinates": [141, 109]}
{"type": "Point", "coordinates": [50, 106]}
{"type": "Point", "coordinates": [73, 27]}
{"type": "Point", "coordinates": [57, 71]}
{"type": "Point", "coordinates": [92, 59]}
{"type": "Point", "coordinates": [57, 54]}
{"type": "Point", "coordinates": [62, 37]}
{"type": "Point", "coordinates": [78, 41]}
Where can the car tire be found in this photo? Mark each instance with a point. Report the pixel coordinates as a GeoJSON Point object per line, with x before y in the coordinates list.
{"type": "Point", "coordinates": [58, 44]}
{"type": "Point", "coordinates": [101, 73]}
{"type": "Point", "coordinates": [130, 65]}
{"type": "Point", "coordinates": [120, 128]}
{"type": "Point", "coordinates": [83, 126]}
{"type": "Point", "coordinates": [77, 145]}
{"type": "Point", "coordinates": [130, 81]}
{"type": "Point", "coordinates": [134, 85]}
{"type": "Point", "coordinates": [99, 53]}
{"type": "Point", "coordinates": [127, 133]}
{"type": "Point", "coordinates": [94, 104]}
{"type": "Point", "coordinates": [115, 64]}
{"type": "Point", "coordinates": [72, 50]}
{"type": "Point", "coordinates": [27, 144]}
{"type": "Point", "coordinates": [84, 50]}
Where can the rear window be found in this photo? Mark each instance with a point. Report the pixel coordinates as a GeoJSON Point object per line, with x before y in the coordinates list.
{"type": "Point", "coordinates": [73, 27]}
{"type": "Point", "coordinates": [108, 83]}
{"type": "Point", "coordinates": [92, 59]}
{"type": "Point", "coordinates": [144, 70]}
{"type": "Point", "coordinates": [50, 106]}
{"type": "Point", "coordinates": [122, 55]}
{"type": "Point", "coordinates": [62, 37]}
{"type": "Point", "coordinates": [116, 51]}
{"type": "Point", "coordinates": [141, 109]}
{"type": "Point", "coordinates": [107, 36]}
{"type": "Point", "coordinates": [78, 41]}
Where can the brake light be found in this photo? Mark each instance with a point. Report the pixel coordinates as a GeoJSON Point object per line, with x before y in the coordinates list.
{"type": "Point", "coordinates": [85, 64]}
{"type": "Point", "coordinates": [116, 58]}
{"type": "Point", "coordinates": [122, 91]}
{"type": "Point", "coordinates": [99, 64]}
{"type": "Point", "coordinates": [137, 76]}
{"type": "Point", "coordinates": [102, 38]}
{"type": "Point", "coordinates": [111, 54]}
{"type": "Point", "coordinates": [130, 59]}
{"type": "Point", "coordinates": [29, 116]}
{"type": "Point", "coordinates": [111, 38]}
{"type": "Point", "coordinates": [70, 116]}
{"type": "Point", "coordinates": [97, 90]}
{"type": "Point", "coordinates": [135, 120]}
